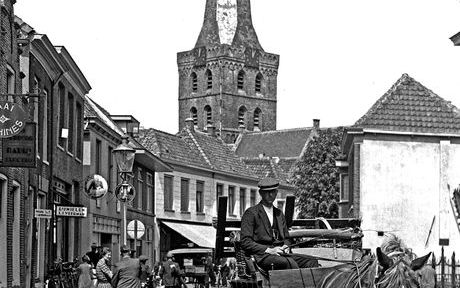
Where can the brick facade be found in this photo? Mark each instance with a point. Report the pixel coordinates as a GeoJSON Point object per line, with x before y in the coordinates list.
{"type": "Point", "coordinates": [228, 91]}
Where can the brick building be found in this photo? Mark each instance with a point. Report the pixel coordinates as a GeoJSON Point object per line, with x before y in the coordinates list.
{"type": "Point", "coordinates": [227, 79]}
{"type": "Point", "coordinates": [13, 181]}
{"type": "Point", "coordinates": [56, 108]}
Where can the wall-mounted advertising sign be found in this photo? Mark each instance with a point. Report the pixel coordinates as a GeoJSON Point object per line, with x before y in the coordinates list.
{"type": "Point", "coordinates": [12, 119]}
{"type": "Point", "coordinates": [43, 213]}
{"type": "Point", "coordinates": [20, 150]}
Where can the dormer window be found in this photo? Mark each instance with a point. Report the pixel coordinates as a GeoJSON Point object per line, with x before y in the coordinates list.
{"type": "Point", "coordinates": [208, 114]}
{"type": "Point", "coordinates": [194, 80]}
{"type": "Point", "coordinates": [242, 116]}
{"type": "Point", "coordinates": [194, 115]}
{"type": "Point", "coordinates": [257, 115]}
{"type": "Point", "coordinates": [208, 79]}
{"type": "Point", "coordinates": [241, 80]}
{"type": "Point", "coordinates": [259, 79]}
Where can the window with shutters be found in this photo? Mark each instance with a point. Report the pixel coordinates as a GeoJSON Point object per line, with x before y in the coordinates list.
{"type": "Point", "coordinates": [184, 195]}
{"type": "Point", "coordinates": [231, 200]}
{"type": "Point", "coordinates": [241, 76]}
{"type": "Point", "coordinates": [252, 197]}
{"type": "Point", "coordinates": [168, 192]}
{"type": "Point", "coordinates": [199, 196]}
{"type": "Point", "coordinates": [208, 79]}
{"type": "Point", "coordinates": [194, 80]}
{"type": "Point", "coordinates": [258, 84]}
{"type": "Point", "coordinates": [194, 115]}
{"type": "Point", "coordinates": [150, 193]}
{"type": "Point", "coordinates": [61, 134]}
{"type": "Point", "coordinates": [242, 116]}
{"type": "Point", "coordinates": [70, 121]}
{"type": "Point", "coordinates": [208, 115]}
{"type": "Point", "coordinates": [257, 115]}
{"type": "Point", "coordinates": [242, 200]}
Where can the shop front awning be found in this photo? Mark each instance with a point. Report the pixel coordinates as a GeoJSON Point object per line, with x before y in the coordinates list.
{"type": "Point", "coordinates": [201, 235]}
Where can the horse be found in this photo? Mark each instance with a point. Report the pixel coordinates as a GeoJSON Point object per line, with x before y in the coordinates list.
{"type": "Point", "coordinates": [395, 266]}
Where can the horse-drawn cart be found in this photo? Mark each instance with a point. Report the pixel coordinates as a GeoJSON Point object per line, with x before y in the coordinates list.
{"type": "Point", "coordinates": [337, 248]}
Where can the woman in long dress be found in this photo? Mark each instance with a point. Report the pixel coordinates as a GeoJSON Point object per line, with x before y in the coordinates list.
{"type": "Point", "coordinates": [103, 272]}
{"type": "Point", "coordinates": [84, 272]}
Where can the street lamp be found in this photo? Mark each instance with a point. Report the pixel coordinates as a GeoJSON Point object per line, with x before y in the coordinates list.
{"type": "Point", "coordinates": [124, 157]}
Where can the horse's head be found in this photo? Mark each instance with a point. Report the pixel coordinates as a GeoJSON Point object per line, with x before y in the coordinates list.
{"type": "Point", "coordinates": [398, 270]}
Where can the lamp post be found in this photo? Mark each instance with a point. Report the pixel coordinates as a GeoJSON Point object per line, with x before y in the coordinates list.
{"type": "Point", "coordinates": [124, 157]}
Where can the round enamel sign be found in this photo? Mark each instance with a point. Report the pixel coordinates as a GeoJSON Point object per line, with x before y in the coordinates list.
{"type": "Point", "coordinates": [12, 119]}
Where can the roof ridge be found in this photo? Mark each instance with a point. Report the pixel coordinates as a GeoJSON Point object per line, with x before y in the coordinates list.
{"type": "Point", "coordinates": [190, 134]}
{"type": "Point", "coordinates": [277, 131]}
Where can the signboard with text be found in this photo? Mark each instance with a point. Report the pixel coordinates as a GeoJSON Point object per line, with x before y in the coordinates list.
{"type": "Point", "coordinates": [20, 150]}
{"type": "Point", "coordinates": [43, 213]}
{"type": "Point", "coordinates": [12, 118]}
{"type": "Point", "coordinates": [71, 211]}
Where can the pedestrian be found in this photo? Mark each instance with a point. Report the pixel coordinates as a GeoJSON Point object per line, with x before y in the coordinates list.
{"type": "Point", "coordinates": [145, 270]}
{"type": "Point", "coordinates": [94, 254]}
{"type": "Point", "coordinates": [127, 271]}
{"type": "Point", "coordinates": [210, 279]}
{"type": "Point", "coordinates": [84, 272]}
{"type": "Point", "coordinates": [103, 272]}
{"type": "Point", "coordinates": [224, 272]}
{"type": "Point", "coordinates": [170, 272]}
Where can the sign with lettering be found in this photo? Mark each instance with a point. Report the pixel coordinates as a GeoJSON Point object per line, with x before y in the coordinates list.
{"type": "Point", "coordinates": [136, 229]}
{"type": "Point", "coordinates": [12, 119]}
{"type": "Point", "coordinates": [71, 211]}
{"type": "Point", "coordinates": [20, 150]}
{"type": "Point", "coordinates": [43, 213]}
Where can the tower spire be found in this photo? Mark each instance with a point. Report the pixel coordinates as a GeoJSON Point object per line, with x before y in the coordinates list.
{"type": "Point", "coordinates": [228, 22]}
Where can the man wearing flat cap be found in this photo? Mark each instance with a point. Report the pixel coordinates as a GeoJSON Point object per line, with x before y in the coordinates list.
{"type": "Point", "coordinates": [264, 233]}
{"type": "Point", "coordinates": [126, 272]}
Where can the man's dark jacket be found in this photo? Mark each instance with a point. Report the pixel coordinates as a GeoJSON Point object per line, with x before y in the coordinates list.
{"type": "Point", "coordinates": [170, 273]}
{"type": "Point", "coordinates": [256, 231]}
{"type": "Point", "coordinates": [126, 273]}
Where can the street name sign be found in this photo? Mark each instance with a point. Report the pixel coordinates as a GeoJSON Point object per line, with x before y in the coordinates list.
{"type": "Point", "coordinates": [71, 211]}
{"type": "Point", "coordinates": [20, 150]}
{"type": "Point", "coordinates": [12, 119]}
{"type": "Point", "coordinates": [43, 213]}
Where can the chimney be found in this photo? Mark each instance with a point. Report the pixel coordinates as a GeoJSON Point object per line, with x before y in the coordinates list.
{"type": "Point", "coordinates": [316, 124]}
{"type": "Point", "coordinates": [211, 130]}
{"type": "Point", "coordinates": [189, 124]}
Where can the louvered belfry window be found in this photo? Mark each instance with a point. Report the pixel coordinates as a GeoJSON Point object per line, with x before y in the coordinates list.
{"type": "Point", "coordinates": [241, 80]}
{"type": "Point", "coordinates": [194, 80]}
{"type": "Point", "coordinates": [259, 79]}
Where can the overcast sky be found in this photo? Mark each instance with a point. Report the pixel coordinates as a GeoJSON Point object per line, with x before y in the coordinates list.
{"type": "Point", "coordinates": [336, 57]}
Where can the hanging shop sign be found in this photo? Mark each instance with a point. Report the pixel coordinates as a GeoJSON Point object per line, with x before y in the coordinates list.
{"type": "Point", "coordinates": [136, 229]}
{"type": "Point", "coordinates": [95, 186]}
{"type": "Point", "coordinates": [71, 211]}
{"type": "Point", "coordinates": [43, 213]}
{"type": "Point", "coordinates": [12, 119]}
{"type": "Point", "coordinates": [20, 150]}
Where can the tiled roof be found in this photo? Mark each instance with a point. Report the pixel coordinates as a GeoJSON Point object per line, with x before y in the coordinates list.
{"type": "Point", "coordinates": [410, 107]}
{"type": "Point", "coordinates": [218, 154]}
{"type": "Point", "coordinates": [279, 143]}
{"type": "Point", "coordinates": [171, 147]}
{"type": "Point", "coordinates": [92, 109]}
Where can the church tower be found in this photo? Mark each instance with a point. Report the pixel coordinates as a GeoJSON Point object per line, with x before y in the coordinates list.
{"type": "Point", "coordinates": [228, 81]}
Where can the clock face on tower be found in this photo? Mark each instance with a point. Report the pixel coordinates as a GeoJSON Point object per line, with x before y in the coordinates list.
{"type": "Point", "coordinates": [227, 19]}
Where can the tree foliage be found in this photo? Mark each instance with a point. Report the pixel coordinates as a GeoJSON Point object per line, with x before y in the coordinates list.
{"type": "Point", "coordinates": [316, 178]}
